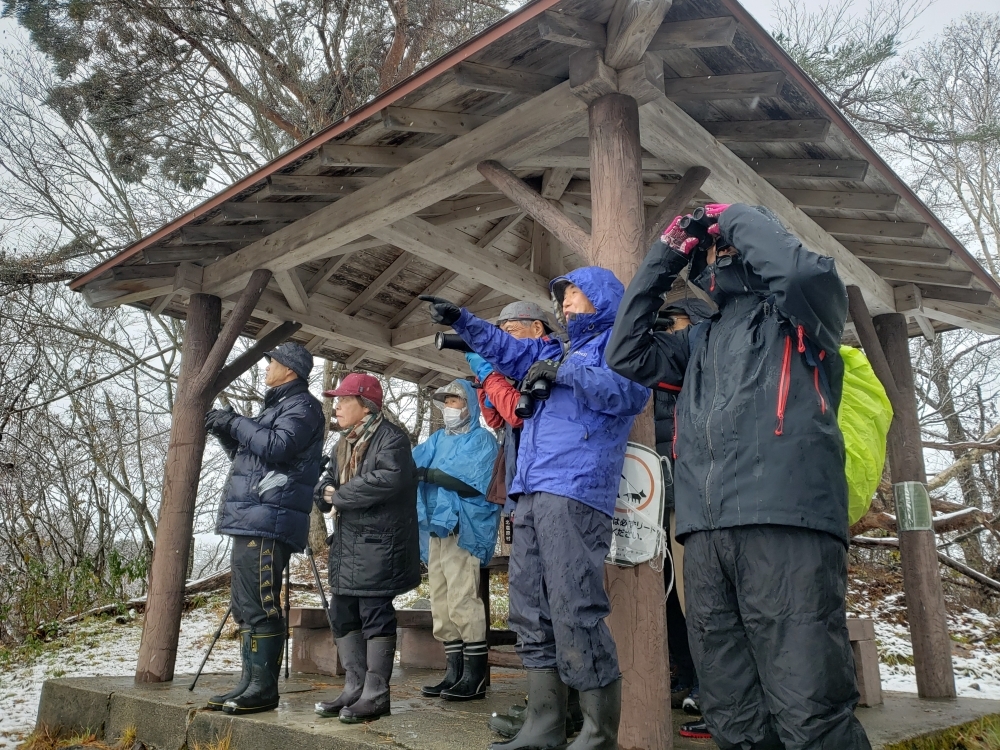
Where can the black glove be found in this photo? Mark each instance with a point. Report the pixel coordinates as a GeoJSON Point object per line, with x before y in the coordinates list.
{"type": "Point", "coordinates": [318, 494]}
{"type": "Point", "coordinates": [218, 421]}
{"type": "Point", "coordinates": [421, 474]}
{"type": "Point", "coordinates": [543, 369]}
{"type": "Point", "coordinates": [443, 312]}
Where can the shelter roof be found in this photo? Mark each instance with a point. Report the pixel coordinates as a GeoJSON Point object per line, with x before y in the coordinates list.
{"type": "Point", "coordinates": [387, 204]}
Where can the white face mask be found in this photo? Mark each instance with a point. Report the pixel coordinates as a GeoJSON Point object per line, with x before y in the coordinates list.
{"type": "Point", "coordinates": [453, 417]}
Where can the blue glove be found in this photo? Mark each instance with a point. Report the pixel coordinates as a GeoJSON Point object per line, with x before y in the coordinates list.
{"type": "Point", "coordinates": [479, 366]}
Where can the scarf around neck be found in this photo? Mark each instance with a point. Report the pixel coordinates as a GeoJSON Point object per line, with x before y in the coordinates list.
{"type": "Point", "coordinates": [351, 448]}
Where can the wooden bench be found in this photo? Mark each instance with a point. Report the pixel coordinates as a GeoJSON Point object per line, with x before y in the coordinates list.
{"type": "Point", "coordinates": [862, 635]}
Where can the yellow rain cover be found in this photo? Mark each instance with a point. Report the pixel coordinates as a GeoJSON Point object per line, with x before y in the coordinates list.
{"type": "Point", "coordinates": [864, 417]}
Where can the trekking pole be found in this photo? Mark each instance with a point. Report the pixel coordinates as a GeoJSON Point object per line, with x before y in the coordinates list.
{"type": "Point", "coordinates": [322, 593]}
{"type": "Point", "coordinates": [288, 606]}
{"type": "Point", "coordinates": [218, 634]}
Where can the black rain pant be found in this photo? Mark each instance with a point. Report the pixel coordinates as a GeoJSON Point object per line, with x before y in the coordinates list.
{"type": "Point", "coordinates": [374, 616]}
{"type": "Point", "coordinates": [767, 627]}
{"type": "Point", "coordinates": [257, 566]}
{"type": "Point", "coordinates": [557, 597]}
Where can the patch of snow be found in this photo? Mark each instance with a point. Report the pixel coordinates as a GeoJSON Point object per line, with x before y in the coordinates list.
{"type": "Point", "coordinates": [104, 648]}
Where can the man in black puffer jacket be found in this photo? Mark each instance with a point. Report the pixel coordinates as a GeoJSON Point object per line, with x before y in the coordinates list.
{"type": "Point", "coordinates": [761, 494]}
{"type": "Point", "coordinates": [371, 488]}
{"type": "Point", "coordinates": [265, 508]}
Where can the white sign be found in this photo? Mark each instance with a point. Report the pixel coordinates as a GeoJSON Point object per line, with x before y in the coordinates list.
{"type": "Point", "coordinates": [638, 523]}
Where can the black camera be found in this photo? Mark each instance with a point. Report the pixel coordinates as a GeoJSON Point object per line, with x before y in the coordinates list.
{"type": "Point", "coordinates": [450, 341]}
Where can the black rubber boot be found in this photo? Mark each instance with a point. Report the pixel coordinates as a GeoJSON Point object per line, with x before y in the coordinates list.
{"type": "Point", "coordinates": [574, 714]}
{"type": "Point", "coordinates": [475, 670]}
{"type": "Point", "coordinates": [216, 701]}
{"type": "Point", "coordinates": [602, 710]}
{"type": "Point", "coordinates": [374, 700]}
{"type": "Point", "coordinates": [266, 647]}
{"type": "Point", "coordinates": [509, 724]}
{"type": "Point", "coordinates": [351, 650]}
{"type": "Point", "coordinates": [453, 653]}
{"type": "Point", "coordinates": [545, 720]}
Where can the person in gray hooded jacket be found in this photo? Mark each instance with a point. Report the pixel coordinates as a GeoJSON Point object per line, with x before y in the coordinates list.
{"type": "Point", "coordinates": [760, 489]}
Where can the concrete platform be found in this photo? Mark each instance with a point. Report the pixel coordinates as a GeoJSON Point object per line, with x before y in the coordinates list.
{"type": "Point", "coordinates": [169, 717]}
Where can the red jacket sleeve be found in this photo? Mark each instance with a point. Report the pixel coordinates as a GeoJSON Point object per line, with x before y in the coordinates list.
{"type": "Point", "coordinates": [493, 420]}
{"type": "Point", "coordinates": [504, 398]}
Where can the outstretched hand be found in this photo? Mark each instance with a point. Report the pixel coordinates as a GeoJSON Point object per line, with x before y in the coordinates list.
{"type": "Point", "coordinates": [443, 311]}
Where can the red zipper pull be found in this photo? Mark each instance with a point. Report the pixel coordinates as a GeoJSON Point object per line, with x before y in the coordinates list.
{"type": "Point", "coordinates": [784, 383]}
{"type": "Point", "coordinates": [802, 340]}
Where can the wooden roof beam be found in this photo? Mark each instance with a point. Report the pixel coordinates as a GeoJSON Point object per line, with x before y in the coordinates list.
{"type": "Point", "coordinates": [826, 169]}
{"type": "Point", "coordinates": [714, 88]}
{"type": "Point", "coordinates": [294, 184]}
{"type": "Point", "coordinates": [450, 249]}
{"type": "Point", "coordinates": [893, 230]}
{"type": "Point", "coordinates": [755, 131]}
{"type": "Point", "coordinates": [291, 287]}
{"type": "Point", "coordinates": [430, 121]}
{"type": "Point", "coordinates": [347, 155]}
{"type": "Point", "coordinates": [631, 27]}
{"type": "Point", "coordinates": [355, 358]}
{"type": "Point", "coordinates": [356, 333]}
{"type": "Point", "coordinates": [695, 34]}
{"type": "Point", "coordinates": [980, 318]}
{"type": "Point", "coordinates": [182, 253]}
{"type": "Point", "coordinates": [378, 284]}
{"type": "Point", "coordinates": [284, 211]}
{"type": "Point", "coordinates": [532, 127]}
{"type": "Point", "coordinates": [921, 275]}
{"type": "Point", "coordinates": [954, 294]}
{"type": "Point", "coordinates": [887, 202]}
{"type": "Point", "coordinates": [928, 256]}
{"type": "Point", "coordinates": [670, 133]}
{"type": "Point", "coordinates": [503, 80]}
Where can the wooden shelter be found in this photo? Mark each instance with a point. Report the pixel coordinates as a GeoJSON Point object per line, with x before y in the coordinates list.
{"type": "Point", "coordinates": [564, 135]}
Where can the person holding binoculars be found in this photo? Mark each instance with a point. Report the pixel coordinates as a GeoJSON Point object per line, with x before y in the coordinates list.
{"type": "Point", "coordinates": [759, 483]}
{"type": "Point", "coordinates": [569, 466]}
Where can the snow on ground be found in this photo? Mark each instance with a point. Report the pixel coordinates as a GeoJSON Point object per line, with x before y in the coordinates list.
{"type": "Point", "coordinates": [975, 643]}
{"type": "Point", "coordinates": [102, 647]}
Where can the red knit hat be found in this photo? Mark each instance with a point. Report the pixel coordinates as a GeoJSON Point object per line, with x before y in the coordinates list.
{"type": "Point", "coordinates": [359, 384]}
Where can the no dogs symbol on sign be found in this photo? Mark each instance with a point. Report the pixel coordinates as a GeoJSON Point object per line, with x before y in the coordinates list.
{"type": "Point", "coordinates": [638, 523]}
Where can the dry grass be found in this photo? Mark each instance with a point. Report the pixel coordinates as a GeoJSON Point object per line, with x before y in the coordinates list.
{"type": "Point", "coordinates": [45, 738]}
{"type": "Point", "coordinates": [219, 743]}
{"type": "Point", "coordinates": [983, 734]}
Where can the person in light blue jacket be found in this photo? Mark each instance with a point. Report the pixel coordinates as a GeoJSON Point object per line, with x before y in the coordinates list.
{"type": "Point", "coordinates": [569, 467]}
{"type": "Point", "coordinates": [458, 533]}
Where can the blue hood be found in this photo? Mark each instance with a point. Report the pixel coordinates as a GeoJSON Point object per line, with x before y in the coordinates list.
{"type": "Point", "coordinates": [605, 293]}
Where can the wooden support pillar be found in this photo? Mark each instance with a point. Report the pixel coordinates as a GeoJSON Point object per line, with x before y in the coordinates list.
{"type": "Point", "coordinates": [204, 354]}
{"type": "Point", "coordinates": [638, 617]}
{"type": "Point", "coordinates": [165, 598]}
{"type": "Point", "coordinates": [925, 607]}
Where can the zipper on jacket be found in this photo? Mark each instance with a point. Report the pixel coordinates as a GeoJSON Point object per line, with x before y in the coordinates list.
{"type": "Point", "coordinates": [784, 383]}
{"type": "Point", "coordinates": [822, 401]}
{"type": "Point", "coordinates": [802, 339]}
{"type": "Point", "coordinates": [673, 445]}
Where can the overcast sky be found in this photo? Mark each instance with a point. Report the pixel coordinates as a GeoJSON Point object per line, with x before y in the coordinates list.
{"type": "Point", "coordinates": [936, 17]}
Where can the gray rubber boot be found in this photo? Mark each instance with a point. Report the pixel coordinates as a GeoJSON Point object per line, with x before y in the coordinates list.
{"type": "Point", "coordinates": [351, 650]}
{"type": "Point", "coordinates": [545, 720]}
{"type": "Point", "coordinates": [509, 724]}
{"type": "Point", "coordinates": [216, 701]}
{"type": "Point", "coordinates": [602, 710]}
{"type": "Point", "coordinates": [374, 700]}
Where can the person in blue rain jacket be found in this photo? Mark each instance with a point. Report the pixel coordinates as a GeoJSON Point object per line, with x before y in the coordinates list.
{"type": "Point", "coordinates": [458, 533]}
{"type": "Point", "coordinates": [568, 469]}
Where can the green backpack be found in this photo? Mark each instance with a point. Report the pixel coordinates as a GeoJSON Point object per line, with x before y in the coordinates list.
{"type": "Point", "coordinates": [864, 417]}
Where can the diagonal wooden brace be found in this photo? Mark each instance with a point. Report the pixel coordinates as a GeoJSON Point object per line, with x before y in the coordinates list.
{"type": "Point", "coordinates": [246, 360]}
{"type": "Point", "coordinates": [234, 326]}
{"type": "Point", "coordinates": [682, 194]}
{"type": "Point", "coordinates": [873, 347]}
{"type": "Point", "coordinates": [532, 203]}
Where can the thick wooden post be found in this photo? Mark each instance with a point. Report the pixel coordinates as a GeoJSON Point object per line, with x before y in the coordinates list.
{"type": "Point", "coordinates": [921, 580]}
{"type": "Point", "coordinates": [638, 616]}
{"type": "Point", "coordinates": [165, 599]}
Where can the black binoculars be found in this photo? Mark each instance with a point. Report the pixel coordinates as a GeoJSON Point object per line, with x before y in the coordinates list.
{"type": "Point", "coordinates": [696, 225]}
{"type": "Point", "coordinates": [540, 390]}
{"type": "Point", "coordinates": [450, 341]}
